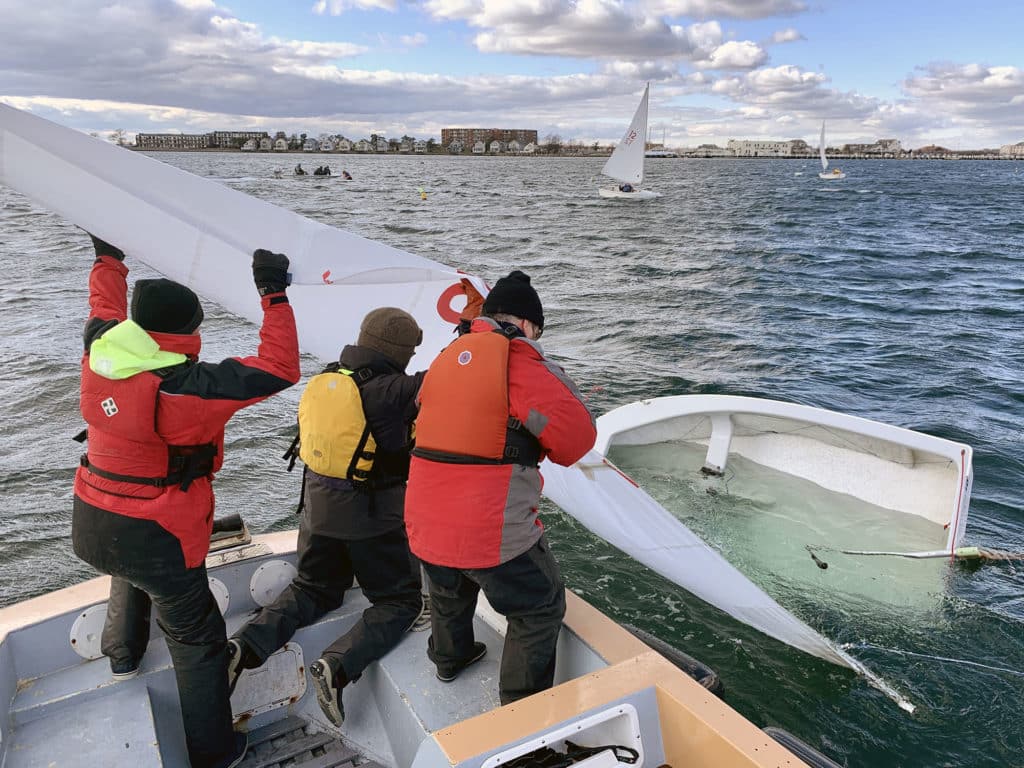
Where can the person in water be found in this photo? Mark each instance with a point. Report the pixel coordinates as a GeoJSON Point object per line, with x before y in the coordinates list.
{"type": "Point", "coordinates": [491, 408]}
{"type": "Point", "coordinates": [352, 520]}
{"type": "Point", "coordinates": [143, 493]}
{"type": "Point", "coordinates": [299, 170]}
{"type": "Point", "coordinates": [327, 170]}
{"type": "Point", "coordinates": [627, 187]}
{"type": "Point", "coordinates": [346, 175]}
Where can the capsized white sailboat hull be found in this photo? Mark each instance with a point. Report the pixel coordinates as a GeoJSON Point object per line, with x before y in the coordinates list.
{"type": "Point", "coordinates": [912, 479]}
{"type": "Point", "coordinates": [832, 175]}
{"type": "Point", "coordinates": [618, 194]}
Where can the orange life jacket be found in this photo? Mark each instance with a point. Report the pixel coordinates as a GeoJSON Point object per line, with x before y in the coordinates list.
{"type": "Point", "coordinates": [470, 378]}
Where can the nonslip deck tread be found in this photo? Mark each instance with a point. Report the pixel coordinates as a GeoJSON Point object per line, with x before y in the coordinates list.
{"type": "Point", "coordinates": [286, 742]}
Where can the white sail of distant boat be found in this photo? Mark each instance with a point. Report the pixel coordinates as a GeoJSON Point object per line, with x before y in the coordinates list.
{"type": "Point", "coordinates": [202, 233]}
{"type": "Point", "coordinates": [626, 164]}
{"type": "Point", "coordinates": [835, 173]}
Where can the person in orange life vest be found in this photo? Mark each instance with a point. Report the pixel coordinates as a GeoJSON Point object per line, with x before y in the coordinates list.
{"type": "Point", "coordinates": [491, 407]}
{"type": "Point", "coordinates": [352, 520]}
{"type": "Point", "coordinates": [143, 497]}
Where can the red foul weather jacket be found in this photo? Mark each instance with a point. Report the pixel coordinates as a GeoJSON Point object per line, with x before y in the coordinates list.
{"type": "Point", "coordinates": [148, 425]}
{"type": "Point", "coordinates": [467, 505]}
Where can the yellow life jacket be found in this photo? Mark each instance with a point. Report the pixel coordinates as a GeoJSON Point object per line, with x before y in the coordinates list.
{"type": "Point", "coordinates": [334, 438]}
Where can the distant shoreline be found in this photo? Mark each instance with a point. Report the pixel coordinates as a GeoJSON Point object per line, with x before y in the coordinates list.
{"type": "Point", "coordinates": [303, 153]}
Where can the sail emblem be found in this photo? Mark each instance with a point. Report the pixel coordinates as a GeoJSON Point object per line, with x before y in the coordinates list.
{"type": "Point", "coordinates": [109, 406]}
{"type": "Point", "coordinates": [465, 356]}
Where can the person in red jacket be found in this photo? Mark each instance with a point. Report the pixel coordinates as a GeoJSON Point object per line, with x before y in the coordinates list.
{"type": "Point", "coordinates": [491, 408]}
{"type": "Point", "coordinates": [143, 498]}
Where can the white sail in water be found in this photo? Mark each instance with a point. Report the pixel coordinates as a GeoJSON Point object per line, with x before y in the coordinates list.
{"type": "Point", "coordinates": [202, 233]}
{"type": "Point", "coordinates": [626, 163]}
{"type": "Point", "coordinates": [821, 147]}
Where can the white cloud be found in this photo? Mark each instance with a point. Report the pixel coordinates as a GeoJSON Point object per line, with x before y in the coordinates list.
{"type": "Point", "coordinates": [735, 55]}
{"type": "Point", "coordinates": [414, 41]}
{"type": "Point", "coordinates": [788, 35]}
{"type": "Point", "coordinates": [978, 102]}
{"type": "Point", "coordinates": [338, 7]}
{"type": "Point", "coordinates": [593, 29]}
{"type": "Point", "coordinates": [736, 9]}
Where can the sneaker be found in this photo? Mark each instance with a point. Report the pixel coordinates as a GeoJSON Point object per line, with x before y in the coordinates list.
{"type": "Point", "coordinates": [237, 755]}
{"type": "Point", "coordinates": [124, 670]}
{"type": "Point", "coordinates": [479, 651]}
{"type": "Point", "coordinates": [328, 695]}
{"type": "Point", "coordinates": [422, 621]}
{"type": "Point", "coordinates": [240, 658]}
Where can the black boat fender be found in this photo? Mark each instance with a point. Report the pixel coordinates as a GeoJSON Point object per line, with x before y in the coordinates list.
{"type": "Point", "coordinates": [804, 751]}
{"type": "Point", "coordinates": [699, 671]}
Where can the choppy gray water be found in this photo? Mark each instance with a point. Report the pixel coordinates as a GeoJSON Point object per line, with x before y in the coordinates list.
{"type": "Point", "coordinates": [894, 295]}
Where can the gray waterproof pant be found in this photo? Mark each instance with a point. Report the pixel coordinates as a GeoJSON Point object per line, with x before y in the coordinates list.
{"type": "Point", "coordinates": [528, 591]}
{"type": "Point", "coordinates": [326, 567]}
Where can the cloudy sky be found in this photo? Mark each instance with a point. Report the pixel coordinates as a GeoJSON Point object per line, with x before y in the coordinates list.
{"type": "Point", "coordinates": [922, 71]}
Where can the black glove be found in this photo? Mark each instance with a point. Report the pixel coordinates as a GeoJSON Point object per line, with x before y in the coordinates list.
{"type": "Point", "coordinates": [269, 271]}
{"type": "Point", "coordinates": [104, 248]}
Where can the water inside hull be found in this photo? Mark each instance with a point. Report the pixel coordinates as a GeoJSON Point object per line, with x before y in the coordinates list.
{"type": "Point", "coordinates": [762, 520]}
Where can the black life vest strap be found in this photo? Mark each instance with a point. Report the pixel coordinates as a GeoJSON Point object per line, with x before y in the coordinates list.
{"type": "Point", "coordinates": [521, 447]}
{"type": "Point", "coordinates": [292, 454]}
{"type": "Point", "coordinates": [185, 463]}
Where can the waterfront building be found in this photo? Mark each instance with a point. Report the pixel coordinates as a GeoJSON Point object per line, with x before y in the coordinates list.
{"type": "Point", "coordinates": [515, 147]}
{"type": "Point", "coordinates": [479, 148]}
{"type": "Point", "coordinates": [746, 148]}
{"type": "Point", "coordinates": [456, 147]}
{"type": "Point", "coordinates": [1012, 150]}
{"type": "Point", "coordinates": [420, 146]}
{"type": "Point", "coordinates": [363, 146]}
{"type": "Point", "coordinates": [494, 147]}
{"type": "Point", "coordinates": [881, 148]}
{"type": "Point", "coordinates": [709, 150]}
{"type": "Point", "coordinates": [233, 139]}
{"type": "Point", "coordinates": [281, 144]}
{"type": "Point", "coordinates": [469, 136]}
{"type": "Point", "coordinates": [382, 144]}
{"type": "Point", "coordinates": [172, 141]}
{"type": "Point", "coordinates": [530, 148]}
{"type": "Point", "coordinates": [266, 144]}
{"type": "Point", "coordinates": [344, 145]}
{"type": "Point", "coordinates": [310, 145]}
{"type": "Point", "coordinates": [250, 146]}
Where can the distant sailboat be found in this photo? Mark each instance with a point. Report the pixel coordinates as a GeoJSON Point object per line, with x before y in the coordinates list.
{"type": "Point", "coordinates": [626, 164]}
{"type": "Point", "coordinates": [835, 173]}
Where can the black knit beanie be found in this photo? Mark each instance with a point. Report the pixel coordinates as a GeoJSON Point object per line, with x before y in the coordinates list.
{"type": "Point", "coordinates": [392, 332]}
{"type": "Point", "coordinates": [513, 295]}
{"type": "Point", "coordinates": [164, 306]}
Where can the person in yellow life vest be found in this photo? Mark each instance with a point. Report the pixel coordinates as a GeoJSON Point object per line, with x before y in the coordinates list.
{"type": "Point", "coordinates": [492, 406]}
{"type": "Point", "coordinates": [355, 434]}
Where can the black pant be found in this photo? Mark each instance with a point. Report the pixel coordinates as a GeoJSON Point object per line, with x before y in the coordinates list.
{"type": "Point", "coordinates": [527, 590]}
{"type": "Point", "coordinates": [326, 566]}
{"type": "Point", "coordinates": [147, 567]}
